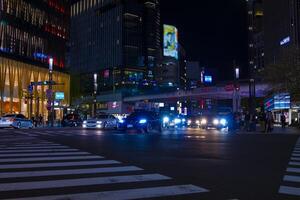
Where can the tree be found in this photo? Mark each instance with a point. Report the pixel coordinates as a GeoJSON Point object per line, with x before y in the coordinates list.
{"type": "Point", "coordinates": [284, 74]}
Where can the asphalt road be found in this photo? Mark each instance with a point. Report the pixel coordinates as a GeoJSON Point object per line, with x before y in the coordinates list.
{"type": "Point", "coordinates": [178, 164]}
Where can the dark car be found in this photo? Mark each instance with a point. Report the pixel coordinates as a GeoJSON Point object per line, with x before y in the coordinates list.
{"type": "Point", "coordinates": [145, 121]}
{"type": "Point", "coordinates": [71, 120]}
{"type": "Point", "coordinates": [213, 121]}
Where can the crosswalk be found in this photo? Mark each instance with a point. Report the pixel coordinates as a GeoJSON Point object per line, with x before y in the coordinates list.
{"type": "Point", "coordinates": [35, 169]}
{"type": "Point", "coordinates": [291, 181]}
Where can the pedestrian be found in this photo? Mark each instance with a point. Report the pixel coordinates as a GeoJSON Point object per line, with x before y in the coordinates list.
{"type": "Point", "coordinates": [283, 120]}
{"type": "Point", "coordinates": [262, 119]}
{"type": "Point", "coordinates": [269, 122]}
{"type": "Point", "coordinates": [41, 120]}
{"type": "Point", "coordinates": [247, 121]}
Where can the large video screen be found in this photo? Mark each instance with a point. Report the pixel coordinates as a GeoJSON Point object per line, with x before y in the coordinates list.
{"type": "Point", "coordinates": [170, 41]}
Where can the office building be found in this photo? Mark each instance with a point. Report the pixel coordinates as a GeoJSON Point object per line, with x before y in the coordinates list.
{"type": "Point", "coordinates": [255, 35]}
{"type": "Point", "coordinates": [31, 32]}
{"type": "Point", "coordinates": [118, 40]}
{"type": "Point", "coordinates": [281, 28]}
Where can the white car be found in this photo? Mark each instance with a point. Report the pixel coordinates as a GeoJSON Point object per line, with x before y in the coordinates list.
{"type": "Point", "coordinates": [15, 121]}
{"type": "Point", "coordinates": [102, 121]}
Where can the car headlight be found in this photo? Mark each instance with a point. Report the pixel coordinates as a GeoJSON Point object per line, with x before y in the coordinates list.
{"type": "Point", "coordinates": [166, 120]}
{"type": "Point", "coordinates": [85, 122]}
{"type": "Point", "coordinates": [216, 122]}
{"type": "Point", "coordinates": [99, 122]}
{"type": "Point", "coordinates": [177, 121]}
{"type": "Point", "coordinates": [203, 121]}
{"type": "Point", "coordinates": [143, 121]}
{"type": "Point", "coordinates": [197, 122]}
{"type": "Point", "coordinates": [121, 121]}
{"type": "Point", "coordinates": [189, 122]}
{"type": "Point", "coordinates": [223, 122]}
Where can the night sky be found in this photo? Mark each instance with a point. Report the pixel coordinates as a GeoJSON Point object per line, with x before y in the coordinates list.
{"type": "Point", "coordinates": [212, 32]}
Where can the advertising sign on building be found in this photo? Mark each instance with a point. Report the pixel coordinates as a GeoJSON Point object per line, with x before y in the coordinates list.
{"type": "Point", "coordinates": [59, 95]}
{"type": "Point", "coordinates": [278, 102]}
{"type": "Point", "coordinates": [170, 41]}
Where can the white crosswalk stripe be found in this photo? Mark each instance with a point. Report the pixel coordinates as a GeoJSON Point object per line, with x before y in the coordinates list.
{"type": "Point", "coordinates": [52, 166]}
{"type": "Point", "coordinates": [291, 181]}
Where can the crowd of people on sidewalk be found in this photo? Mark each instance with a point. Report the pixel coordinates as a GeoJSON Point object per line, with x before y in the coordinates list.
{"type": "Point", "coordinates": [247, 122]}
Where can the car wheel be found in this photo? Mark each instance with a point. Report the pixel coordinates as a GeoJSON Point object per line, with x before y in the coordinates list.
{"type": "Point", "coordinates": [148, 128]}
{"type": "Point", "coordinates": [19, 125]}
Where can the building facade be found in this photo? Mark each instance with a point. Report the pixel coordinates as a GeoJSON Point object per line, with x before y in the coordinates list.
{"type": "Point", "coordinates": [119, 40]}
{"type": "Point", "coordinates": [281, 28]}
{"type": "Point", "coordinates": [31, 32]}
{"type": "Point", "coordinates": [255, 35]}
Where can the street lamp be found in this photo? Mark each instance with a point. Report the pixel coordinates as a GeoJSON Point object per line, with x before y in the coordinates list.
{"type": "Point", "coordinates": [95, 93]}
{"type": "Point", "coordinates": [51, 100]}
{"type": "Point", "coordinates": [236, 92]}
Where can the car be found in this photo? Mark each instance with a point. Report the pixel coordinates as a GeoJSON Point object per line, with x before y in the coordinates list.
{"type": "Point", "coordinates": [101, 121]}
{"type": "Point", "coordinates": [174, 121]}
{"type": "Point", "coordinates": [144, 121]}
{"type": "Point", "coordinates": [208, 121]}
{"type": "Point", "coordinates": [213, 121]}
{"type": "Point", "coordinates": [15, 121]}
{"type": "Point", "coordinates": [71, 120]}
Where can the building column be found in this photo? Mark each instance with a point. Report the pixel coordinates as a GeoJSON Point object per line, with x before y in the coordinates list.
{"type": "Point", "coordinates": [11, 77]}
{"type": "Point", "coordinates": [3, 70]}
{"type": "Point", "coordinates": [20, 75]}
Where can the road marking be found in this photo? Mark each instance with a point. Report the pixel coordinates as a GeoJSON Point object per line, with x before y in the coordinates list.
{"type": "Point", "coordinates": [140, 193]}
{"type": "Point", "coordinates": [48, 159]}
{"type": "Point", "coordinates": [295, 159]}
{"type": "Point", "coordinates": [59, 164]}
{"type": "Point", "coordinates": [294, 163]}
{"type": "Point", "coordinates": [30, 145]}
{"type": "Point", "coordinates": [28, 148]}
{"type": "Point", "coordinates": [41, 150]}
{"type": "Point", "coordinates": [289, 190]}
{"type": "Point", "coordinates": [296, 170]}
{"type": "Point", "coordinates": [45, 154]}
{"type": "Point", "coordinates": [4, 187]}
{"type": "Point", "coordinates": [292, 178]}
{"type": "Point", "coordinates": [69, 172]}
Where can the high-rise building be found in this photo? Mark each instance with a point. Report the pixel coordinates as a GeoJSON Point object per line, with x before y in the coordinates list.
{"type": "Point", "coordinates": [256, 35]}
{"type": "Point", "coordinates": [31, 32]}
{"type": "Point", "coordinates": [281, 28]}
{"type": "Point", "coordinates": [119, 40]}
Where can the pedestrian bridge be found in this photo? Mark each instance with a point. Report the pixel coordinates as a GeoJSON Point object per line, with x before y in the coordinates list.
{"type": "Point", "coordinates": [214, 92]}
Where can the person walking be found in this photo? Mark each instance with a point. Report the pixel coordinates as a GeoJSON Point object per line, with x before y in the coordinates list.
{"type": "Point", "coordinates": [269, 122]}
{"type": "Point", "coordinates": [283, 120]}
{"type": "Point", "coordinates": [247, 121]}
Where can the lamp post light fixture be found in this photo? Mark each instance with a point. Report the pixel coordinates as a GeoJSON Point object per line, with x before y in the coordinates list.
{"type": "Point", "coordinates": [51, 99]}
{"type": "Point", "coordinates": [95, 94]}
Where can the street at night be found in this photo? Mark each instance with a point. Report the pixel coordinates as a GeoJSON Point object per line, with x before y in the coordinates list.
{"type": "Point", "coordinates": [177, 164]}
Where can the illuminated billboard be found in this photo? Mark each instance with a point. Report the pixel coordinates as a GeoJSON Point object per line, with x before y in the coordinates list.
{"type": "Point", "coordinates": [170, 41]}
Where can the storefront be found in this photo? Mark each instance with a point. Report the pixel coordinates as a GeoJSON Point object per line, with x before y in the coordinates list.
{"type": "Point", "coordinates": [280, 104]}
{"type": "Point", "coordinates": [15, 77]}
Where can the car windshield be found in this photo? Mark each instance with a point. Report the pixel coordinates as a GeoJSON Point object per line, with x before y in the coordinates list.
{"type": "Point", "coordinates": [141, 114]}
{"type": "Point", "coordinates": [102, 116]}
{"type": "Point", "coordinates": [9, 116]}
{"type": "Point", "coordinates": [72, 117]}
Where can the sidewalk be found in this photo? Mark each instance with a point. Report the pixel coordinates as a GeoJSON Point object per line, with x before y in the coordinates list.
{"type": "Point", "coordinates": [276, 130]}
